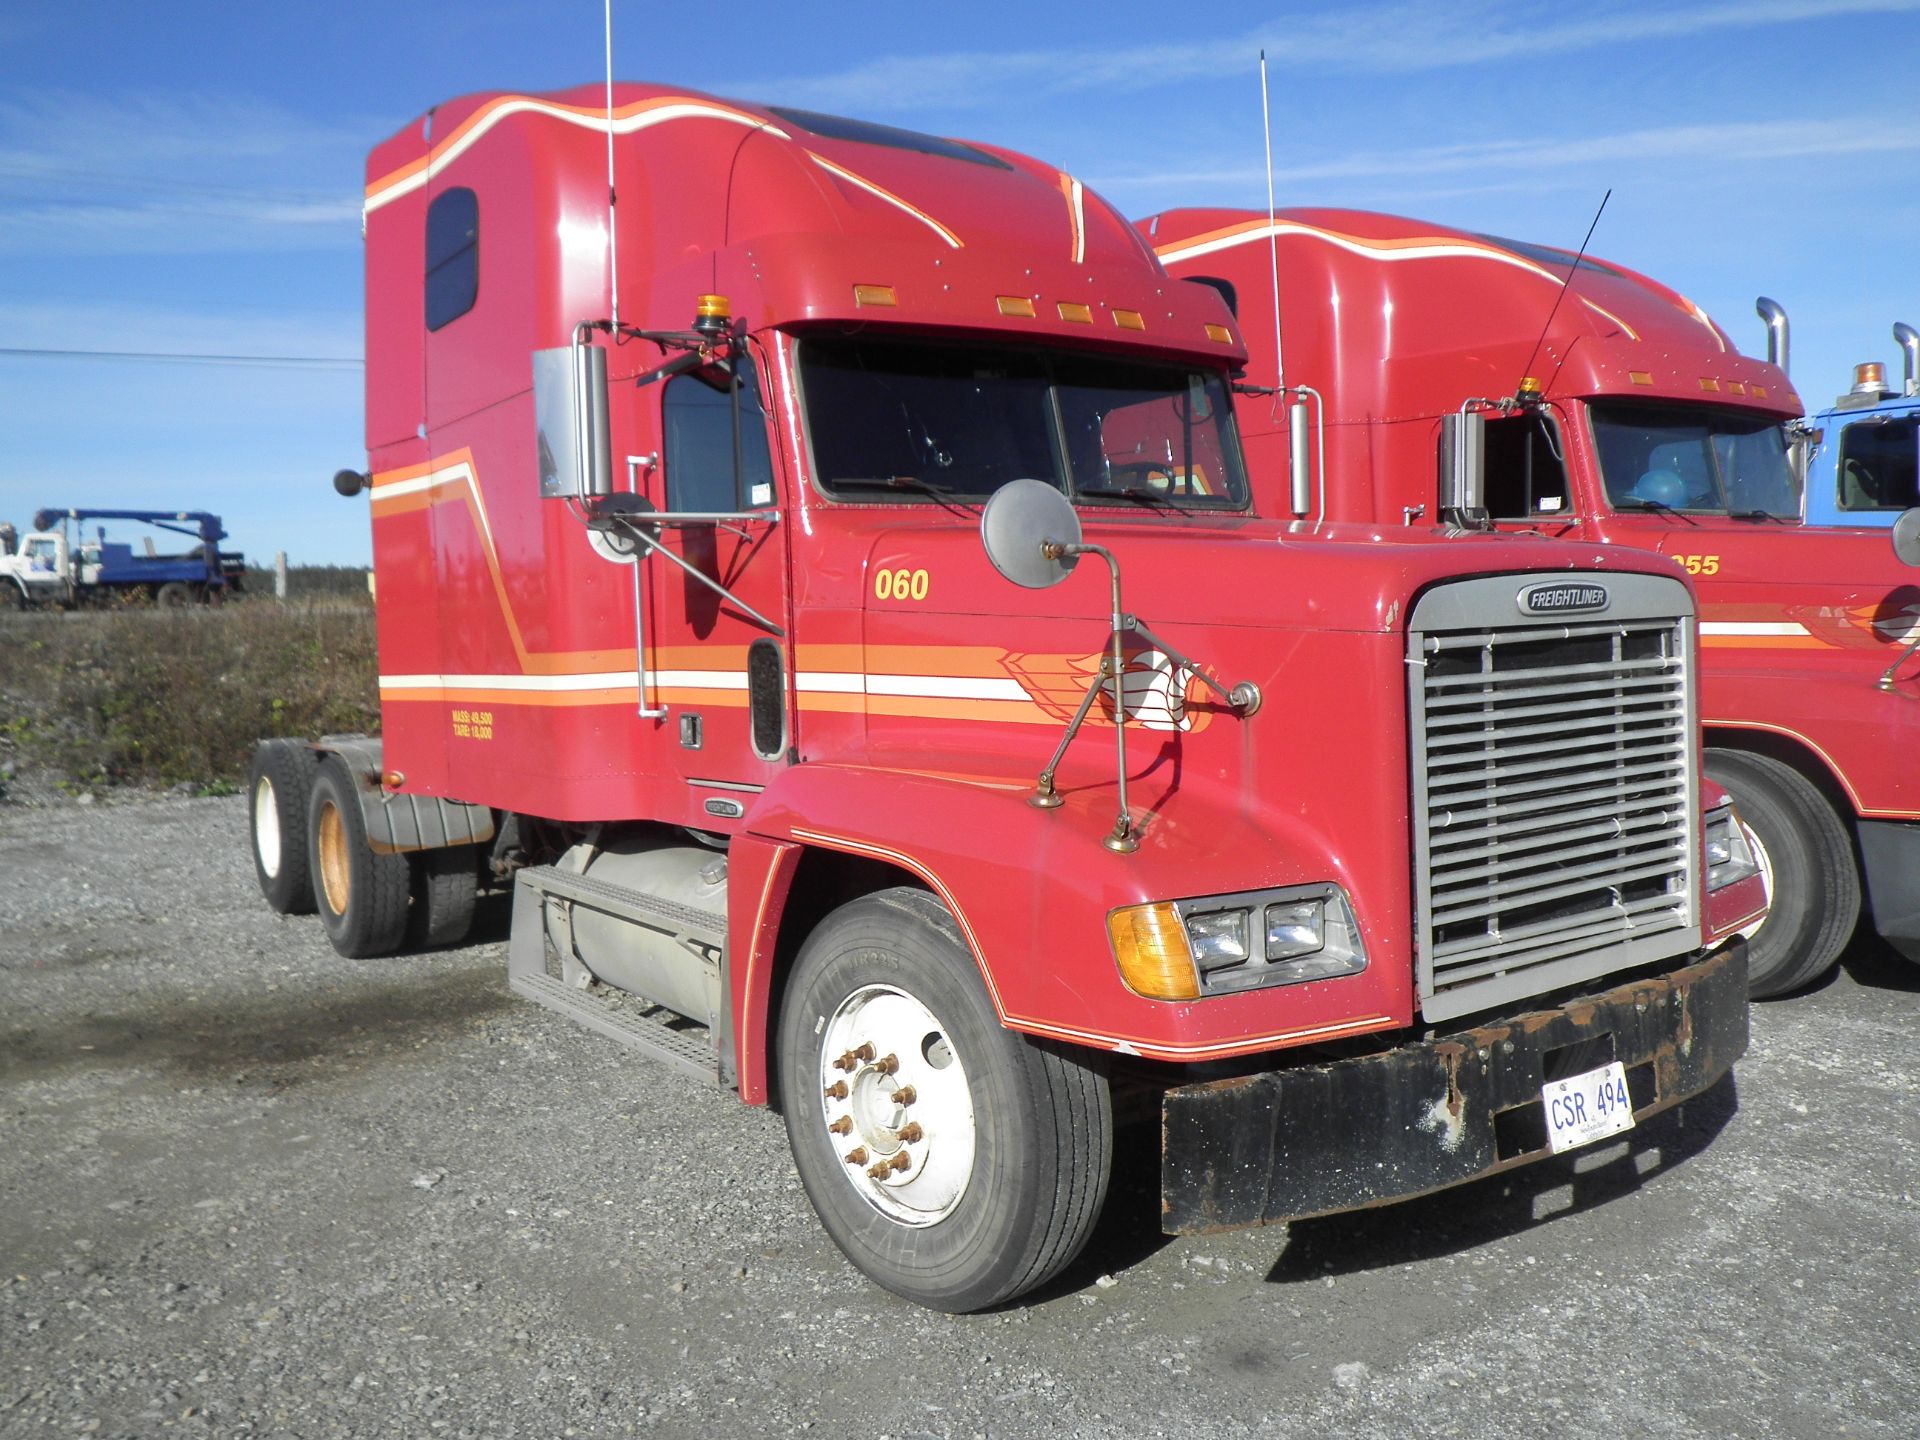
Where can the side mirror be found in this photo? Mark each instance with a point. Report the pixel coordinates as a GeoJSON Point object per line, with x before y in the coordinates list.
{"type": "Point", "coordinates": [572, 443]}
{"type": "Point", "coordinates": [1906, 536]}
{"type": "Point", "coordinates": [1463, 463]}
{"type": "Point", "coordinates": [1023, 520]}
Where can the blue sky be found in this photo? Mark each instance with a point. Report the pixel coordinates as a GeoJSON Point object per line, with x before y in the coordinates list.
{"type": "Point", "coordinates": [187, 178]}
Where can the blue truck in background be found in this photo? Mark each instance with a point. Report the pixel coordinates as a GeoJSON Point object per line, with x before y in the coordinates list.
{"type": "Point", "coordinates": [1859, 459]}
{"type": "Point", "coordinates": [57, 564]}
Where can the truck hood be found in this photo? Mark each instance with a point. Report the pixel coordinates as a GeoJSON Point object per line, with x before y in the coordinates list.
{"type": "Point", "coordinates": [1201, 572]}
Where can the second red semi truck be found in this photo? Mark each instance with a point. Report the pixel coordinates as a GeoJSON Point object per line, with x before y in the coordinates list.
{"type": "Point", "coordinates": [841, 613]}
{"type": "Point", "coordinates": [1615, 413]}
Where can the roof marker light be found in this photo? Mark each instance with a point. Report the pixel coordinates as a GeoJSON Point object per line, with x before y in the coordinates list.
{"type": "Point", "coordinates": [1707, 384]}
{"type": "Point", "coordinates": [1220, 334]}
{"type": "Point", "coordinates": [1640, 377]}
{"type": "Point", "coordinates": [1129, 320]}
{"type": "Point", "coordinates": [864, 295]}
{"type": "Point", "coordinates": [1074, 311]}
{"type": "Point", "coordinates": [1015, 305]}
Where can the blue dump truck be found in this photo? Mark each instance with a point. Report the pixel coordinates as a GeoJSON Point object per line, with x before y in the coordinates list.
{"type": "Point", "coordinates": [57, 564]}
{"type": "Point", "coordinates": [1859, 459]}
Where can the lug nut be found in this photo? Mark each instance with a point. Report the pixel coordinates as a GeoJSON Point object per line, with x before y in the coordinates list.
{"type": "Point", "coordinates": [904, 1095]}
{"type": "Point", "coordinates": [880, 1171]}
{"type": "Point", "coordinates": [911, 1132]}
{"type": "Point", "coordinates": [842, 1125]}
{"type": "Point", "coordinates": [899, 1161]}
{"type": "Point", "coordinates": [857, 1155]}
{"type": "Point", "coordinates": [886, 1066]}
{"type": "Point", "coordinates": [837, 1090]}
{"type": "Point", "coordinates": [851, 1060]}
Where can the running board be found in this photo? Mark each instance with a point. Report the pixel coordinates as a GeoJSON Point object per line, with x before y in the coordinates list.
{"type": "Point", "coordinates": [627, 1018]}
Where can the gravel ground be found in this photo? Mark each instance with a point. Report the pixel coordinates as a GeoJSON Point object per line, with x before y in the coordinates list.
{"type": "Point", "coordinates": [250, 1188]}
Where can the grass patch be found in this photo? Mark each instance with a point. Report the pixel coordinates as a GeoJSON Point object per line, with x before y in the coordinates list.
{"type": "Point", "coordinates": [160, 697]}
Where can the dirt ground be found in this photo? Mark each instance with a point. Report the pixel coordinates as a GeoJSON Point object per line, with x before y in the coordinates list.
{"type": "Point", "coordinates": [250, 1188]}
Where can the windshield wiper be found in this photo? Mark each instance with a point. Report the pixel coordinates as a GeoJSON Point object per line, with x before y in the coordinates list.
{"type": "Point", "coordinates": [892, 482]}
{"type": "Point", "coordinates": [1755, 515]}
{"type": "Point", "coordinates": [1140, 495]}
{"type": "Point", "coordinates": [1638, 502]}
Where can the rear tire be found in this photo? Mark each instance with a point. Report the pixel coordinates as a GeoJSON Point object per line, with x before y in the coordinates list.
{"type": "Point", "coordinates": [444, 883]}
{"type": "Point", "coordinates": [361, 895]}
{"type": "Point", "coordinates": [279, 790]}
{"type": "Point", "coordinates": [1816, 885]}
{"type": "Point", "coordinates": [174, 595]}
{"type": "Point", "coordinates": [987, 1181]}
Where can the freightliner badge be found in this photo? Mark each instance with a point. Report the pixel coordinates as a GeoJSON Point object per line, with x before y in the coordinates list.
{"type": "Point", "coordinates": [1563, 597]}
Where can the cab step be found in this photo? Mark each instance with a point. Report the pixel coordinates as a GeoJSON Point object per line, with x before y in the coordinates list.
{"type": "Point", "coordinates": [536, 971]}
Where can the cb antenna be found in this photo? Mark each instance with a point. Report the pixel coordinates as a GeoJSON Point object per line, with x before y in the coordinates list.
{"type": "Point", "coordinates": [1579, 255]}
{"type": "Point", "coordinates": [1273, 238]}
{"type": "Point", "coordinates": [613, 233]}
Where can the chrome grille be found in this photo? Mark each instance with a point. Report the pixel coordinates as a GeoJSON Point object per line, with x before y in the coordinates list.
{"type": "Point", "coordinates": [1554, 802]}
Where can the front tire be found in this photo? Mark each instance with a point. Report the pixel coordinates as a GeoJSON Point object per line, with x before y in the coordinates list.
{"type": "Point", "coordinates": [954, 1161]}
{"type": "Point", "coordinates": [174, 595]}
{"type": "Point", "coordinates": [1805, 846]}
{"type": "Point", "coordinates": [361, 895]}
{"type": "Point", "coordinates": [279, 790]}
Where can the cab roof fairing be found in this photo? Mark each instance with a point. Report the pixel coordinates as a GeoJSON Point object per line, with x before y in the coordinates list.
{"type": "Point", "coordinates": [707, 185]}
{"type": "Point", "coordinates": [1374, 272]}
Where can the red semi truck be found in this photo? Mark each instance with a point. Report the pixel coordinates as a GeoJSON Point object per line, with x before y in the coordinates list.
{"type": "Point", "coordinates": [1616, 413]}
{"type": "Point", "coordinates": [868, 665]}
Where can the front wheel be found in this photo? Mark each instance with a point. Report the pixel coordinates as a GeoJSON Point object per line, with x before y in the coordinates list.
{"type": "Point", "coordinates": [1804, 847]}
{"type": "Point", "coordinates": [952, 1160]}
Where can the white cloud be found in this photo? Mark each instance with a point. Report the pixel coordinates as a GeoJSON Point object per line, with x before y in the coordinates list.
{"type": "Point", "coordinates": [182, 174]}
{"type": "Point", "coordinates": [131, 326]}
{"type": "Point", "coordinates": [1404, 38]}
{"type": "Point", "coordinates": [1767, 140]}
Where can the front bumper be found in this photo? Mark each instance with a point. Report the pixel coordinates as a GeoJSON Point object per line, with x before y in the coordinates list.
{"type": "Point", "coordinates": [1320, 1139]}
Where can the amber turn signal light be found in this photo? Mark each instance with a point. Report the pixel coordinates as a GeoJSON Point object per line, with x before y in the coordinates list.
{"type": "Point", "coordinates": [1150, 946]}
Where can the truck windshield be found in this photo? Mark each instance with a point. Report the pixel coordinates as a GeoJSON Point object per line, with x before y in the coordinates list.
{"type": "Point", "coordinates": [926, 420]}
{"type": "Point", "coordinates": [1694, 460]}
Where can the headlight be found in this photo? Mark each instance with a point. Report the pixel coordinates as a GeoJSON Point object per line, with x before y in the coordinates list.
{"type": "Point", "coordinates": [1221, 944]}
{"type": "Point", "coordinates": [1730, 857]}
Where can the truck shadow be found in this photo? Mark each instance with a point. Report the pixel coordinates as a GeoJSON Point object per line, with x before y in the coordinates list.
{"type": "Point", "coordinates": [1870, 961]}
{"type": "Point", "coordinates": [1502, 1206]}
{"type": "Point", "coordinates": [274, 1039]}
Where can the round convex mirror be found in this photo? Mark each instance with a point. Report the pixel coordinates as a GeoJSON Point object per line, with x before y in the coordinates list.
{"type": "Point", "coordinates": [1906, 536]}
{"type": "Point", "coordinates": [1019, 518]}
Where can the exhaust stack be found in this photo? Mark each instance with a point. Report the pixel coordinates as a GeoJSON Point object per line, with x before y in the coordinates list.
{"type": "Point", "coordinates": [1775, 315]}
{"type": "Point", "coordinates": [1908, 339]}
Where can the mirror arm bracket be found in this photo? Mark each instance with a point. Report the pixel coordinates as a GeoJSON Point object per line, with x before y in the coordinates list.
{"type": "Point", "coordinates": [639, 526]}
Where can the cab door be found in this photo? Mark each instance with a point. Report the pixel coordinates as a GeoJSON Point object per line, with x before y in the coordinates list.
{"type": "Point", "coordinates": [718, 622]}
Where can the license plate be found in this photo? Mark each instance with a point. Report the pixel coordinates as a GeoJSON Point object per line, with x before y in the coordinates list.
{"type": "Point", "coordinates": [1584, 1108]}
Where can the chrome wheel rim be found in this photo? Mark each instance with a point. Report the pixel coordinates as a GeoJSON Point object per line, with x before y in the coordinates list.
{"type": "Point", "coordinates": [266, 828]}
{"type": "Point", "coordinates": [1765, 861]}
{"type": "Point", "coordinates": [897, 1105]}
